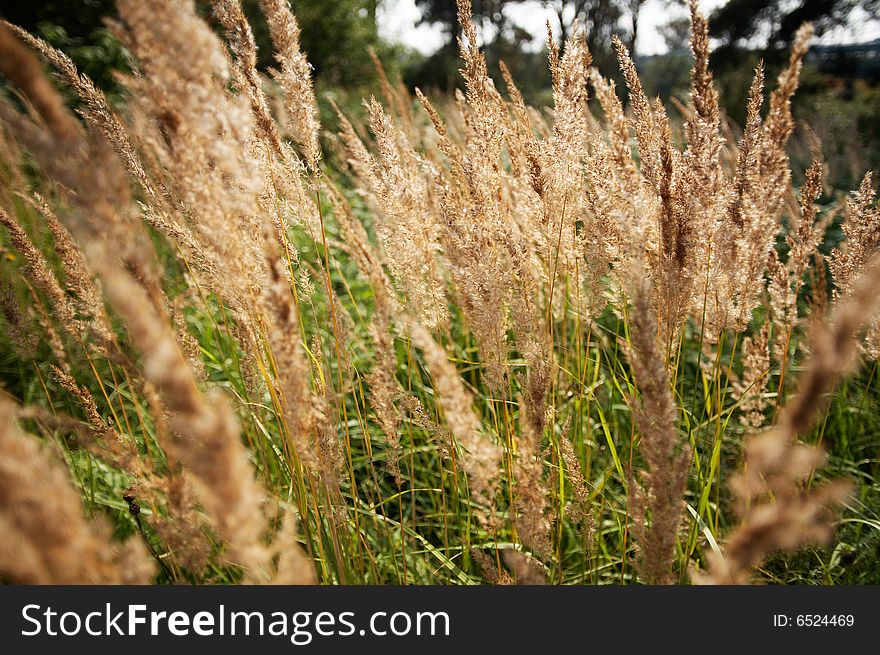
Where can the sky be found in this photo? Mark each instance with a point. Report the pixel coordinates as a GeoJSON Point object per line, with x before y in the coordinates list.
{"type": "Point", "coordinates": [397, 22]}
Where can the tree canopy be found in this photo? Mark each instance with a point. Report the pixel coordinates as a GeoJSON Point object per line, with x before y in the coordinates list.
{"type": "Point", "coordinates": [739, 22]}
{"type": "Point", "coordinates": [334, 35]}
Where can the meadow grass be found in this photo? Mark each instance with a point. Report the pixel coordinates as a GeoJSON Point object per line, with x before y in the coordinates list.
{"type": "Point", "coordinates": [461, 341]}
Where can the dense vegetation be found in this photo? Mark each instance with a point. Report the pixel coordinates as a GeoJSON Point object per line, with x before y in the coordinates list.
{"type": "Point", "coordinates": [459, 340]}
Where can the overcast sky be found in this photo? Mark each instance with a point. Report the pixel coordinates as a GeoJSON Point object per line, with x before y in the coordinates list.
{"type": "Point", "coordinates": [397, 22]}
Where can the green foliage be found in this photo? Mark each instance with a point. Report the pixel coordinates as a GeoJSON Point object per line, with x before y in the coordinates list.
{"type": "Point", "coordinates": [426, 530]}
{"type": "Point", "coordinates": [668, 76]}
{"type": "Point", "coordinates": [738, 21]}
{"type": "Point", "coordinates": [99, 55]}
{"type": "Point", "coordinates": [845, 116]}
{"type": "Point", "coordinates": [335, 37]}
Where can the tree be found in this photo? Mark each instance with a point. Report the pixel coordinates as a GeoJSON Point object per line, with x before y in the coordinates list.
{"type": "Point", "coordinates": [335, 35]}
{"type": "Point", "coordinates": [441, 68]}
{"type": "Point", "coordinates": [445, 14]}
{"type": "Point", "coordinates": [676, 34]}
{"type": "Point", "coordinates": [600, 19]}
{"type": "Point", "coordinates": [77, 28]}
{"type": "Point", "coordinates": [79, 18]}
{"type": "Point", "coordinates": [635, 8]}
{"type": "Point", "coordinates": [562, 8]}
{"type": "Point", "coordinates": [738, 22]}
{"type": "Point", "coordinates": [668, 75]}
